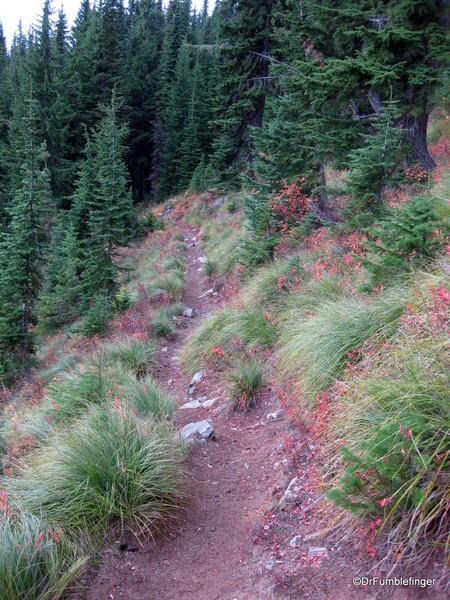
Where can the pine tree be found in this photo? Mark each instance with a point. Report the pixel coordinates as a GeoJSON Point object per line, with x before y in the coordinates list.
{"type": "Point", "coordinates": [109, 208]}
{"type": "Point", "coordinates": [22, 253]}
{"type": "Point", "coordinates": [246, 35]}
{"type": "Point", "coordinates": [373, 166]}
{"type": "Point", "coordinates": [140, 88]}
{"type": "Point", "coordinates": [59, 301]}
{"type": "Point", "coordinates": [370, 47]}
{"type": "Point", "coordinates": [174, 124]}
{"type": "Point", "coordinates": [5, 115]}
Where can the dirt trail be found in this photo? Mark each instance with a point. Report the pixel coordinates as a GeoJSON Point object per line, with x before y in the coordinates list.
{"type": "Point", "coordinates": [223, 547]}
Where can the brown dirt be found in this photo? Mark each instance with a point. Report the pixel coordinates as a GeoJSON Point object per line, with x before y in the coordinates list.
{"type": "Point", "coordinates": [233, 528]}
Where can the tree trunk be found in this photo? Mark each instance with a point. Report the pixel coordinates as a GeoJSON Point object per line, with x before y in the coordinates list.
{"type": "Point", "coordinates": [323, 198]}
{"type": "Point", "coordinates": [417, 136]}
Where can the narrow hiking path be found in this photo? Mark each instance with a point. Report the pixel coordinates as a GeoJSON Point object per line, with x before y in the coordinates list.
{"type": "Point", "coordinates": [233, 542]}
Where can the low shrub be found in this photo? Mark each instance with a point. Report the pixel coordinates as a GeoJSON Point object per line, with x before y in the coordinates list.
{"type": "Point", "coordinates": [97, 317]}
{"type": "Point", "coordinates": [394, 424]}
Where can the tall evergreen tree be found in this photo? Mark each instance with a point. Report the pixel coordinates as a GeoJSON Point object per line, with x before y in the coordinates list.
{"type": "Point", "coordinates": [369, 47]}
{"type": "Point", "coordinates": [109, 208]}
{"type": "Point", "coordinates": [246, 33]}
{"type": "Point", "coordinates": [140, 88]}
{"type": "Point", "coordinates": [22, 253]}
{"type": "Point", "coordinates": [5, 115]}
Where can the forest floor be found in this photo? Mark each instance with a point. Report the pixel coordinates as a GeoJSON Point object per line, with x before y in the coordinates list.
{"type": "Point", "coordinates": [236, 539]}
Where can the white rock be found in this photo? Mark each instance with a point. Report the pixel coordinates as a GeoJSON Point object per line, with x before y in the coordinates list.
{"type": "Point", "coordinates": [165, 349]}
{"type": "Point", "coordinates": [203, 428]}
{"type": "Point", "coordinates": [206, 294]}
{"type": "Point", "coordinates": [202, 259]}
{"type": "Point", "coordinates": [209, 403]}
{"type": "Point", "coordinates": [295, 542]}
{"type": "Point", "coordinates": [316, 551]}
{"type": "Point", "coordinates": [275, 415]}
{"type": "Point", "coordinates": [192, 404]}
{"type": "Point", "coordinates": [290, 494]}
{"type": "Point", "coordinates": [197, 377]}
{"type": "Point", "coordinates": [189, 313]}
{"type": "Point", "coordinates": [270, 565]}
{"type": "Point", "coordinates": [201, 269]}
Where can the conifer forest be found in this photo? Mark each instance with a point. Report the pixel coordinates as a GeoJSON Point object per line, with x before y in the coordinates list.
{"type": "Point", "coordinates": [305, 144]}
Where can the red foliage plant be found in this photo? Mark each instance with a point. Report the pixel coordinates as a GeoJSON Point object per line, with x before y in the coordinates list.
{"type": "Point", "coordinates": [291, 205]}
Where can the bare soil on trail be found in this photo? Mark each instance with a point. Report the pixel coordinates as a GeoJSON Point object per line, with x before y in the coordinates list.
{"type": "Point", "coordinates": [233, 541]}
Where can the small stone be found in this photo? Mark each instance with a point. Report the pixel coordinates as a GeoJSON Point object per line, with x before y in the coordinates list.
{"type": "Point", "coordinates": [203, 428]}
{"type": "Point", "coordinates": [209, 403]}
{"type": "Point", "coordinates": [247, 466]}
{"type": "Point", "coordinates": [164, 350]}
{"type": "Point", "coordinates": [213, 529]}
{"type": "Point", "coordinates": [221, 408]}
{"type": "Point", "coordinates": [202, 259]}
{"type": "Point", "coordinates": [275, 415]}
{"type": "Point", "coordinates": [295, 542]}
{"type": "Point", "coordinates": [206, 294]}
{"type": "Point", "coordinates": [317, 551]}
{"type": "Point", "coordinates": [289, 494]}
{"type": "Point", "coordinates": [201, 269]}
{"type": "Point", "coordinates": [270, 565]}
{"type": "Point", "coordinates": [193, 404]}
{"type": "Point", "coordinates": [189, 313]}
{"type": "Point", "coordinates": [197, 377]}
{"type": "Point", "coordinates": [170, 381]}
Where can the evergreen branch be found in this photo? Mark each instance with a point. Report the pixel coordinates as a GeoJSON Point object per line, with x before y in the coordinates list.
{"type": "Point", "coordinates": [274, 60]}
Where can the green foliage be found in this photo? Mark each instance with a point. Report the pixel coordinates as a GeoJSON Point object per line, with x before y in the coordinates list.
{"type": "Point", "coordinates": [97, 317]}
{"type": "Point", "coordinates": [410, 234]}
{"type": "Point", "coordinates": [21, 253]}
{"type": "Point", "coordinates": [203, 177]}
{"type": "Point", "coordinates": [162, 324]}
{"type": "Point", "coordinates": [316, 348]}
{"type": "Point", "coordinates": [133, 355]}
{"type": "Point", "coordinates": [37, 561]}
{"type": "Point", "coordinates": [373, 166]}
{"type": "Point", "coordinates": [151, 223]}
{"type": "Point", "coordinates": [147, 398]}
{"type": "Point", "coordinates": [394, 423]}
{"type": "Point", "coordinates": [232, 206]}
{"type": "Point", "coordinates": [245, 381]}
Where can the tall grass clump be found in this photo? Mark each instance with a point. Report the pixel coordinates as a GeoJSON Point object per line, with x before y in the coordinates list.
{"type": "Point", "coordinates": [394, 426]}
{"type": "Point", "coordinates": [111, 469]}
{"type": "Point", "coordinates": [146, 397]}
{"type": "Point", "coordinates": [37, 562]}
{"type": "Point", "coordinates": [316, 349]}
{"type": "Point", "coordinates": [248, 328]}
{"type": "Point", "coordinates": [162, 324]}
{"type": "Point", "coordinates": [87, 385]}
{"type": "Point", "coordinates": [245, 381]}
{"type": "Point", "coordinates": [133, 355]}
